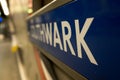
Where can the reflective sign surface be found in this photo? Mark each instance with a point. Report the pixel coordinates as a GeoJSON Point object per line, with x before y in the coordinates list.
{"type": "Point", "coordinates": [83, 34]}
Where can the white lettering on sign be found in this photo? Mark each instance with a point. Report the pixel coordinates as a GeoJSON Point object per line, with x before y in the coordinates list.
{"type": "Point", "coordinates": [50, 34]}
{"type": "Point", "coordinates": [67, 37]}
{"type": "Point", "coordinates": [80, 39]}
{"type": "Point", "coordinates": [57, 39]}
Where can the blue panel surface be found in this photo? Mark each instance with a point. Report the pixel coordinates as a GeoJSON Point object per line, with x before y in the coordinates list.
{"type": "Point", "coordinates": [102, 38]}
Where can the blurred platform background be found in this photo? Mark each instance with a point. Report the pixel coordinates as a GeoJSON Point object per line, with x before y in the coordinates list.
{"type": "Point", "coordinates": [8, 63]}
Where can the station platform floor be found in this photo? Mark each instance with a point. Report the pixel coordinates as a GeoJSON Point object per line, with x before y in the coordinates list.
{"type": "Point", "coordinates": [8, 62]}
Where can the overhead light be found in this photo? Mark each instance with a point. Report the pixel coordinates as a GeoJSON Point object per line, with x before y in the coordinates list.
{"type": "Point", "coordinates": [4, 7]}
{"type": "Point", "coordinates": [30, 11]}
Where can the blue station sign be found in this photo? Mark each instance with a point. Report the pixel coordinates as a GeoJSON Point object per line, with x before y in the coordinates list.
{"type": "Point", "coordinates": [84, 35]}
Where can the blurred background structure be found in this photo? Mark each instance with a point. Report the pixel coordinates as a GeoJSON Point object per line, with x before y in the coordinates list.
{"type": "Point", "coordinates": [19, 60]}
{"type": "Point", "coordinates": [14, 41]}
